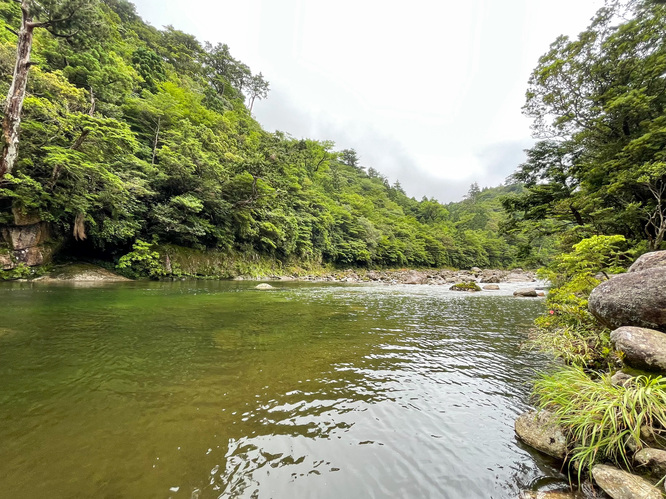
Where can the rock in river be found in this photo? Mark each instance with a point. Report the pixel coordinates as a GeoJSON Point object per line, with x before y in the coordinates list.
{"type": "Point", "coordinates": [539, 430]}
{"type": "Point", "coordinates": [641, 348]}
{"type": "Point", "coordinates": [622, 485]}
{"type": "Point", "coordinates": [263, 286]}
{"type": "Point", "coordinates": [632, 299]}
{"type": "Point", "coordinates": [526, 292]}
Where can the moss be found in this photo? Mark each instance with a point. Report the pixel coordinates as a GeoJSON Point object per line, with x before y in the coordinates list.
{"type": "Point", "coordinates": [465, 286]}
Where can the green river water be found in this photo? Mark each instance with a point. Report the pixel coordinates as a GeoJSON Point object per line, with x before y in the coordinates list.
{"type": "Point", "coordinates": [214, 389]}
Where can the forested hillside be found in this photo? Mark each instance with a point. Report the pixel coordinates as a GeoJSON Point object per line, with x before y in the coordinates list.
{"type": "Point", "coordinates": [130, 133]}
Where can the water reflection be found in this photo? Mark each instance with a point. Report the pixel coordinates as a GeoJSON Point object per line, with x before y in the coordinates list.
{"type": "Point", "coordinates": [216, 390]}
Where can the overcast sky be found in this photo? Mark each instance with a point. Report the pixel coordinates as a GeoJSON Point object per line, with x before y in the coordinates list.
{"type": "Point", "coordinates": [428, 91]}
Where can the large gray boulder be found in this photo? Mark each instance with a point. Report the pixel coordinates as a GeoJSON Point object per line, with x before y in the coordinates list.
{"type": "Point", "coordinates": [622, 485]}
{"type": "Point", "coordinates": [526, 292]}
{"type": "Point", "coordinates": [649, 261]}
{"type": "Point", "coordinates": [632, 299]}
{"type": "Point", "coordinates": [539, 430]}
{"type": "Point", "coordinates": [652, 459]}
{"type": "Point", "coordinates": [641, 348]}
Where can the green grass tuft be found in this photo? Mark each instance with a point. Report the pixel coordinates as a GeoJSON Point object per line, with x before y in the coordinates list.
{"type": "Point", "coordinates": [601, 419]}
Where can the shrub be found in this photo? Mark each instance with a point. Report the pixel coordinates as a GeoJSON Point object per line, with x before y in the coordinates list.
{"type": "Point", "coordinates": [602, 419]}
{"type": "Point", "coordinates": [142, 261]}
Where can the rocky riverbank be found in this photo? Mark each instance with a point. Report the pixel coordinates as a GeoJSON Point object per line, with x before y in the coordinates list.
{"type": "Point", "coordinates": [434, 277]}
{"type": "Point", "coordinates": [633, 306]}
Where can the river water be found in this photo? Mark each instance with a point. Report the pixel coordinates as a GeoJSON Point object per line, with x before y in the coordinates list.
{"type": "Point", "coordinates": [204, 389]}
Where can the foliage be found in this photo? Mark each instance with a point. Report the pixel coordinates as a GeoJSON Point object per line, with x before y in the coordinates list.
{"type": "Point", "coordinates": [142, 261]}
{"type": "Point", "coordinates": [569, 331]}
{"type": "Point", "coordinates": [145, 134]}
{"type": "Point", "coordinates": [598, 108]}
{"type": "Point", "coordinates": [602, 419]}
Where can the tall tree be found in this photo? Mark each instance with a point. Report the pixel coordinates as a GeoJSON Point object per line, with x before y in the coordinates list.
{"type": "Point", "coordinates": [62, 18]}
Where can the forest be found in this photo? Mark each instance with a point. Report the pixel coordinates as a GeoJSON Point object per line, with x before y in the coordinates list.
{"type": "Point", "coordinates": [128, 136]}
{"type": "Point", "coordinates": [131, 135]}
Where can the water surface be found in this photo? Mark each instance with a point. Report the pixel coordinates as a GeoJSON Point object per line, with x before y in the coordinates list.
{"type": "Point", "coordinates": [214, 389]}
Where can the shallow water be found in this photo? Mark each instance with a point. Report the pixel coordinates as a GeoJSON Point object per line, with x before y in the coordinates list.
{"type": "Point", "coordinates": [214, 389]}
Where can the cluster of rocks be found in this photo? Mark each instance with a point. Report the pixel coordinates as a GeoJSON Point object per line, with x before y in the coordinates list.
{"type": "Point", "coordinates": [431, 277]}
{"type": "Point", "coordinates": [634, 305]}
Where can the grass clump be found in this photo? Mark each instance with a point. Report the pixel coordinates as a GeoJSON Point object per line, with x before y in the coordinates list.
{"type": "Point", "coordinates": [602, 419]}
{"type": "Point", "coordinates": [465, 286]}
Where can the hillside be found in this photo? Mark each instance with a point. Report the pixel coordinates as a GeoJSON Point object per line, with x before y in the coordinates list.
{"type": "Point", "coordinates": [130, 133]}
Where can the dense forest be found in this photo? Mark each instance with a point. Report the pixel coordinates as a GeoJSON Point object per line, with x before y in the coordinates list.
{"type": "Point", "coordinates": [130, 133]}
{"type": "Point", "coordinates": [130, 136]}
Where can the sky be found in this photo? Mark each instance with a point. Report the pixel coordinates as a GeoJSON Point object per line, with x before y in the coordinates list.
{"type": "Point", "coordinates": [428, 92]}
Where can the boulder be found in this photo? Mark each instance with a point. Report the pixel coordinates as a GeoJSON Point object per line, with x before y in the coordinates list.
{"type": "Point", "coordinates": [647, 261]}
{"type": "Point", "coordinates": [526, 292]}
{"type": "Point", "coordinates": [25, 236]}
{"type": "Point", "coordinates": [622, 485]}
{"type": "Point", "coordinates": [263, 285]}
{"type": "Point", "coordinates": [491, 287]}
{"type": "Point", "coordinates": [414, 277]}
{"type": "Point", "coordinates": [632, 299]}
{"type": "Point", "coordinates": [465, 286]}
{"type": "Point", "coordinates": [653, 459]}
{"type": "Point", "coordinates": [539, 430]}
{"type": "Point", "coordinates": [641, 348]}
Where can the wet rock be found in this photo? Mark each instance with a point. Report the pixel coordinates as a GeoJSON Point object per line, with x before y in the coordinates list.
{"type": "Point", "coordinates": [653, 459]}
{"type": "Point", "coordinates": [263, 285]}
{"type": "Point", "coordinates": [622, 485]}
{"type": "Point", "coordinates": [539, 430]}
{"type": "Point", "coordinates": [491, 287]}
{"type": "Point", "coordinates": [632, 299]}
{"type": "Point", "coordinates": [465, 286]}
{"type": "Point", "coordinates": [647, 261]}
{"type": "Point", "coordinates": [551, 494]}
{"type": "Point", "coordinates": [526, 292]}
{"type": "Point", "coordinates": [641, 348]}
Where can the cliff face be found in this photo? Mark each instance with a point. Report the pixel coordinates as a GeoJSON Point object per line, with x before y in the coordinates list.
{"type": "Point", "coordinates": [27, 241]}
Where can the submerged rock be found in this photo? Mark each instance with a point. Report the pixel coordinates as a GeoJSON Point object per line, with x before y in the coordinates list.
{"type": "Point", "coordinates": [632, 299]}
{"type": "Point", "coordinates": [641, 348]}
{"type": "Point", "coordinates": [622, 485]}
{"type": "Point", "coordinates": [526, 292]}
{"type": "Point", "coordinates": [649, 261]}
{"type": "Point", "coordinates": [263, 286]}
{"type": "Point", "coordinates": [653, 459]}
{"type": "Point", "coordinates": [539, 430]}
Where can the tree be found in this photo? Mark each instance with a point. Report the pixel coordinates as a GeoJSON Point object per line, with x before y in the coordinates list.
{"type": "Point", "coordinates": [598, 104]}
{"type": "Point", "coordinates": [258, 88]}
{"type": "Point", "coordinates": [64, 18]}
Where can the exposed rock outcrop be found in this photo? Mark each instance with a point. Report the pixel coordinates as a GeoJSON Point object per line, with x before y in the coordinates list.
{"type": "Point", "coordinates": [82, 273]}
{"type": "Point", "coordinates": [539, 430]}
{"type": "Point", "coordinates": [641, 348]}
{"type": "Point", "coordinates": [622, 485]}
{"type": "Point", "coordinates": [25, 244]}
{"type": "Point", "coordinates": [632, 299]}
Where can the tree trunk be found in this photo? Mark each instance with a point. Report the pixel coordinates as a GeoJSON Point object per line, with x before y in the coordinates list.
{"type": "Point", "coordinates": [11, 121]}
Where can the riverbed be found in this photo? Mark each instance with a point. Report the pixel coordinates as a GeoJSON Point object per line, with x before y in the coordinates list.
{"type": "Point", "coordinates": [200, 389]}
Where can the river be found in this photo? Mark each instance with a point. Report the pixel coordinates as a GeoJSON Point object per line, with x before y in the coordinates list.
{"type": "Point", "coordinates": [201, 389]}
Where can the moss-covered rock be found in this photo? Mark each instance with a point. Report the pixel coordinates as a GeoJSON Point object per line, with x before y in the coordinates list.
{"type": "Point", "coordinates": [465, 286]}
